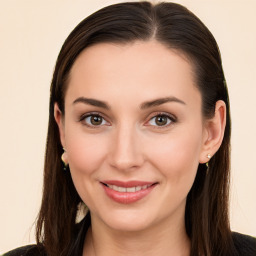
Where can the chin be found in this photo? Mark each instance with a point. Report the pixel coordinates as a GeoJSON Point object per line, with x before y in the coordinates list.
{"type": "Point", "coordinates": [131, 221]}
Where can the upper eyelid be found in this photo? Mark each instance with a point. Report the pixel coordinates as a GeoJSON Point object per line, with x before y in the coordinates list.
{"type": "Point", "coordinates": [82, 118]}
{"type": "Point", "coordinates": [153, 115]}
{"type": "Point", "coordinates": [171, 116]}
{"type": "Point", "coordinates": [93, 113]}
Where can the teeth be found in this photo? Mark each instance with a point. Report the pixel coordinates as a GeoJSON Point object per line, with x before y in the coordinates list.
{"type": "Point", "coordinates": [138, 188]}
{"type": "Point", "coordinates": [129, 190]}
{"type": "Point", "coordinates": [121, 189]}
{"type": "Point", "coordinates": [115, 187]}
{"type": "Point", "coordinates": [133, 189]}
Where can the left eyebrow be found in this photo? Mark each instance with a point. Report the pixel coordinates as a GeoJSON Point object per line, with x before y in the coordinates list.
{"type": "Point", "coordinates": [92, 102]}
{"type": "Point", "coordinates": [160, 101]}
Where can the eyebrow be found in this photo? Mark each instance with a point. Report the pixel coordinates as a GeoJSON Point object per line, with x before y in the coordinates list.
{"type": "Point", "coordinates": [160, 101]}
{"type": "Point", "coordinates": [144, 105]}
{"type": "Point", "coordinates": [92, 102]}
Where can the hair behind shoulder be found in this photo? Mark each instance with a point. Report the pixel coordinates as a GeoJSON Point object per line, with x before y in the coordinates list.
{"type": "Point", "coordinates": [207, 215]}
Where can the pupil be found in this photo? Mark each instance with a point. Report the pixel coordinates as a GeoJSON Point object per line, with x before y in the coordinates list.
{"type": "Point", "coordinates": [96, 120]}
{"type": "Point", "coordinates": [161, 120]}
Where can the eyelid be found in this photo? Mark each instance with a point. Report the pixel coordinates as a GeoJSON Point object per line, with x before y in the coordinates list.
{"type": "Point", "coordinates": [83, 116]}
{"type": "Point", "coordinates": [170, 116]}
{"type": "Point", "coordinates": [154, 115]}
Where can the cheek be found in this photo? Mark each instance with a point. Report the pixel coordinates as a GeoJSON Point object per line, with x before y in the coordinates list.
{"type": "Point", "coordinates": [85, 155]}
{"type": "Point", "coordinates": [85, 152]}
{"type": "Point", "coordinates": [177, 155]}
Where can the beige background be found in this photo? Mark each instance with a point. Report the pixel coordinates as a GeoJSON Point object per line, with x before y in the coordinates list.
{"type": "Point", "coordinates": [31, 34]}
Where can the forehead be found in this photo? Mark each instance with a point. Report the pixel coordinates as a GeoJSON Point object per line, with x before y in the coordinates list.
{"type": "Point", "coordinates": [125, 70]}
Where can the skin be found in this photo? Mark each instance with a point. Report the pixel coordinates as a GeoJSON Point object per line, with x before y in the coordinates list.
{"type": "Point", "coordinates": [130, 144]}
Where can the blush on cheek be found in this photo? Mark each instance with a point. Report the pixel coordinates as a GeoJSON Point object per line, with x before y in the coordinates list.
{"type": "Point", "coordinates": [86, 154]}
{"type": "Point", "coordinates": [177, 155]}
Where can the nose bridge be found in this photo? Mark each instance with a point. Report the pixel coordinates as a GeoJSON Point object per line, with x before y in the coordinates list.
{"type": "Point", "coordinates": [126, 151]}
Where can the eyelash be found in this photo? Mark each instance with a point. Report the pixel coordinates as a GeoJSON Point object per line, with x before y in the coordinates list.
{"type": "Point", "coordinates": [171, 118]}
{"type": "Point", "coordinates": [96, 114]}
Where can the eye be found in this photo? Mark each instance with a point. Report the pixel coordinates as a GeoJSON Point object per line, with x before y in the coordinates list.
{"type": "Point", "coordinates": [93, 120]}
{"type": "Point", "coordinates": [161, 120]}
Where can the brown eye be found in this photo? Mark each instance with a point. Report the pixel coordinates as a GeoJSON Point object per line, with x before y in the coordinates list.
{"type": "Point", "coordinates": [93, 120]}
{"type": "Point", "coordinates": [96, 120]}
{"type": "Point", "coordinates": [161, 120]}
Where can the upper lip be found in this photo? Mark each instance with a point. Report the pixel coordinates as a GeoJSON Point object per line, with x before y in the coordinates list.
{"type": "Point", "coordinates": [127, 184]}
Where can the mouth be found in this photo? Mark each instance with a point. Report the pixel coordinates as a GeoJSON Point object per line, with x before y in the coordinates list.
{"type": "Point", "coordinates": [127, 189]}
{"type": "Point", "coordinates": [127, 192]}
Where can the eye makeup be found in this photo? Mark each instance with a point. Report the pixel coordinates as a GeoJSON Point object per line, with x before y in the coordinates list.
{"type": "Point", "coordinates": [97, 120]}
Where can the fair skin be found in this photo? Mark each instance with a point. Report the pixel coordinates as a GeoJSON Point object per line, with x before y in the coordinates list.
{"type": "Point", "coordinates": [133, 143]}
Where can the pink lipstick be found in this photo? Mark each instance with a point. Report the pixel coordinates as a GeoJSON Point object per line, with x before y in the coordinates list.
{"type": "Point", "coordinates": [127, 192]}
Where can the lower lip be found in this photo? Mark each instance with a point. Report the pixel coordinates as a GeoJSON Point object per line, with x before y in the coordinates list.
{"type": "Point", "coordinates": [127, 197]}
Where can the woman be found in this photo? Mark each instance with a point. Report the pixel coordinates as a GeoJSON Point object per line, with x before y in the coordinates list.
{"type": "Point", "coordinates": [139, 134]}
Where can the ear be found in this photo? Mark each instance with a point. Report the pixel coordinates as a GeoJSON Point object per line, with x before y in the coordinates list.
{"type": "Point", "coordinates": [59, 118]}
{"type": "Point", "coordinates": [214, 129]}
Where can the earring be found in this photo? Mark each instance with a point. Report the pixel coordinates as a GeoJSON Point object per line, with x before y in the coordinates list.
{"type": "Point", "coordinates": [209, 157]}
{"type": "Point", "coordinates": [64, 160]}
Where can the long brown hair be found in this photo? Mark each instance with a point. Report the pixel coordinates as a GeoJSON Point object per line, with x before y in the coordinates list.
{"type": "Point", "coordinates": [207, 215]}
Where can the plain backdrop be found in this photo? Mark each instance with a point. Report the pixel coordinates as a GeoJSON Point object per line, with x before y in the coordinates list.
{"type": "Point", "coordinates": [31, 35]}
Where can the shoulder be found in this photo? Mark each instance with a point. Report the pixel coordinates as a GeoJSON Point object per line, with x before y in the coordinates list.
{"type": "Point", "coordinates": [28, 250]}
{"type": "Point", "coordinates": [244, 244]}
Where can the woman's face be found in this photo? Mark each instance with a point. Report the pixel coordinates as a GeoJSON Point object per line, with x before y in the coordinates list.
{"type": "Point", "coordinates": [134, 133]}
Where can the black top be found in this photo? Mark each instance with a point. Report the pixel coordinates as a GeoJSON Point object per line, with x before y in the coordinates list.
{"type": "Point", "coordinates": [245, 245]}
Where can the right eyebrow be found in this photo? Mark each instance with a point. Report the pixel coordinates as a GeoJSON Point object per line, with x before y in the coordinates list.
{"type": "Point", "coordinates": [160, 101]}
{"type": "Point", "coordinates": [92, 102]}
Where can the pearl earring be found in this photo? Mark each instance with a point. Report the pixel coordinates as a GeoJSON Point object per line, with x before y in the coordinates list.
{"type": "Point", "coordinates": [64, 160]}
{"type": "Point", "coordinates": [209, 157]}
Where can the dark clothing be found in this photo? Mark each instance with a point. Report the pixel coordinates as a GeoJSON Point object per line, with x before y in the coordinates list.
{"type": "Point", "coordinates": [245, 245]}
{"type": "Point", "coordinates": [28, 250]}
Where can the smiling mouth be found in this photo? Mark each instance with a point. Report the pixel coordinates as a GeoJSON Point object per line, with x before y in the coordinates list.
{"type": "Point", "coordinates": [127, 192]}
{"type": "Point", "coordinates": [127, 189]}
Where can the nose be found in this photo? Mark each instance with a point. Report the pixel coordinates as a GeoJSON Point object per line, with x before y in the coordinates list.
{"type": "Point", "coordinates": [126, 151]}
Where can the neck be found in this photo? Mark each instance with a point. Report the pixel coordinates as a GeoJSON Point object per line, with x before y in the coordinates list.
{"type": "Point", "coordinates": [161, 239]}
